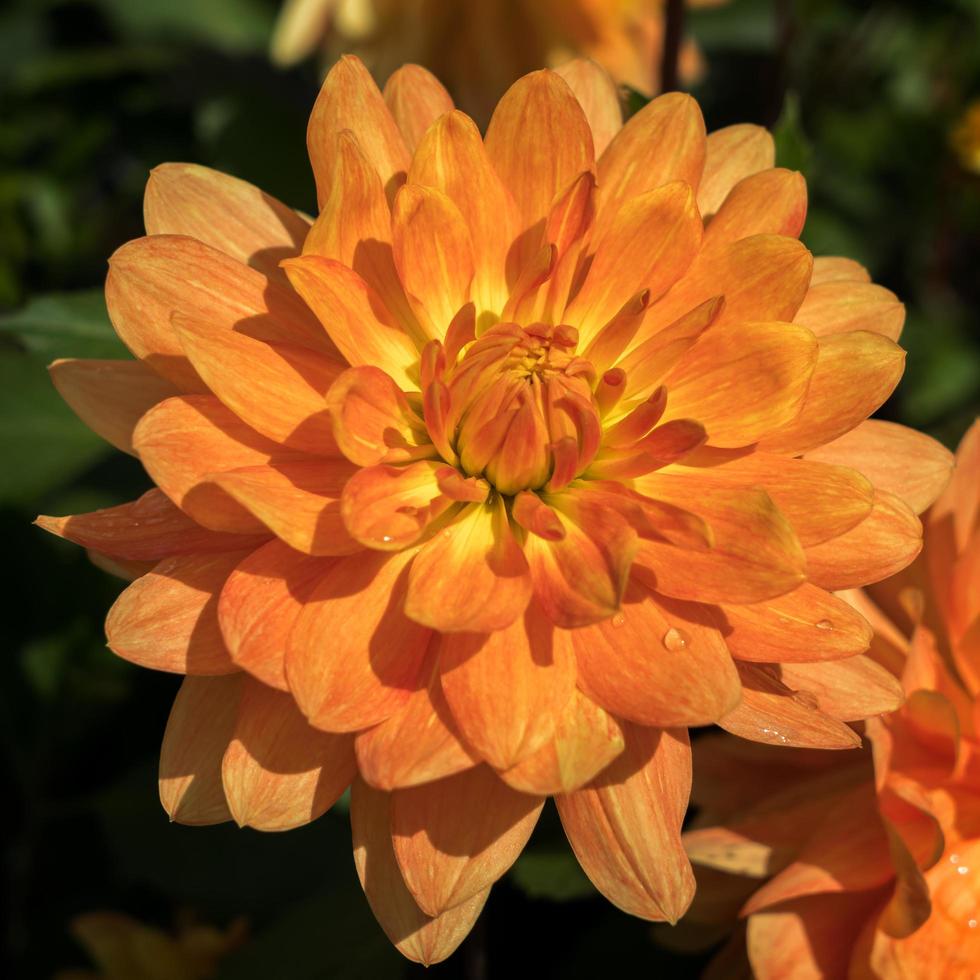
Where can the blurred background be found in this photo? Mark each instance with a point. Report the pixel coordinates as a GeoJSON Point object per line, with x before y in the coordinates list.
{"type": "Point", "coordinates": [870, 100]}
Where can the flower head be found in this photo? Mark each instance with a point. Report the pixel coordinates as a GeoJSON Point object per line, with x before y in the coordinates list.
{"type": "Point", "coordinates": [868, 864]}
{"type": "Point", "coordinates": [529, 453]}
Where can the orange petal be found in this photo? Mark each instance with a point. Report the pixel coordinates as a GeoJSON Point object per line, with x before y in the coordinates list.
{"type": "Point", "coordinates": [452, 158]}
{"type": "Point", "coordinates": [355, 317]}
{"type": "Point", "coordinates": [755, 554]}
{"type": "Point", "coordinates": [151, 279]}
{"type": "Point", "coordinates": [741, 381]}
{"type": "Point", "coordinates": [198, 732]}
{"type": "Point", "coordinates": [353, 657]}
{"type": "Point", "coordinates": [168, 618]}
{"type": "Point", "coordinates": [183, 440]}
{"type": "Point", "coordinates": [417, 936]}
{"type": "Point", "coordinates": [538, 141]}
{"type": "Point", "coordinates": [416, 99]}
{"type": "Point", "coordinates": [261, 600]}
{"type": "Point", "coordinates": [763, 277]}
{"type": "Point", "coordinates": [597, 95]}
{"type": "Point", "coordinates": [454, 838]}
{"type": "Point", "coordinates": [772, 713]}
{"type": "Point", "coordinates": [419, 743]}
{"type": "Point", "coordinates": [839, 307]}
{"type": "Point", "coordinates": [277, 772]}
{"type": "Point", "coordinates": [648, 245]}
{"type": "Point", "coordinates": [625, 826]}
{"type": "Point", "coordinates": [663, 142]}
{"type": "Point", "coordinates": [298, 501]}
{"type": "Point", "coordinates": [772, 202]}
{"type": "Point", "coordinates": [883, 543]}
{"type": "Point", "coordinates": [803, 625]}
{"type": "Point", "coordinates": [854, 374]}
{"type": "Point", "coordinates": [229, 214]}
{"type": "Point", "coordinates": [373, 420]}
{"type": "Point", "coordinates": [894, 458]}
{"type": "Point", "coordinates": [831, 268]}
{"type": "Point", "coordinates": [145, 530]}
{"type": "Point", "coordinates": [110, 396]}
{"type": "Point", "coordinates": [733, 153]}
{"type": "Point", "coordinates": [472, 576]}
{"type": "Point", "coordinates": [658, 662]}
{"type": "Point", "coordinates": [433, 253]}
{"type": "Point", "coordinates": [820, 501]}
{"type": "Point", "coordinates": [507, 689]}
{"type": "Point", "coordinates": [349, 99]}
{"type": "Point", "coordinates": [277, 389]}
{"type": "Point", "coordinates": [586, 740]}
{"type": "Point", "coordinates": [851, 689]}
{"type": "Point", "coordinates": [580, 577]}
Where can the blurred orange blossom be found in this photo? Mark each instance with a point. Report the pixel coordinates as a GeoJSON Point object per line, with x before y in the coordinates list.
{"type": "Point", "coordinates": [530, 452]}
{"type": "Point", "coordinates": [872, 860]}
{"type": "Point", "coordinates": [479, 47]}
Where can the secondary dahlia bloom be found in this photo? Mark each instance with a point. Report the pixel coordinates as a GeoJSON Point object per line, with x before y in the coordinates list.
{"type": "Point", "coordinates": [487, 484]}
{"type": "Point", "coordinates": [870, 861]}
{"type": "Point", "coordinates": [479, 47]}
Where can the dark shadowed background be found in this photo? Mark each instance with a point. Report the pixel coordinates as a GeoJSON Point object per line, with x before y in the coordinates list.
{"type": "Point", "coordinates": [863, 98]}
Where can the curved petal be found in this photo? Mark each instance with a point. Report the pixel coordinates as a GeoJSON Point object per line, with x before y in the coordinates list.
{"type": "Point", "coordinates": [772, 202]}
{"type": "Point", "coordinates": [840, 307]}
{"type": "Point", "coordinates": [454, 838]}
{"type": "Point", "coordinates": [625, 826]}
{"type": "Point", "coordinates": [732, 154]}
{"type": "Point", "coordinates": [279, 773]}
{"type": "Point", "coordinates": [833, 268]}
{"type": "Point", "coordinates": [598, 96]}
{"type": "Point", "coordinates": [416, 99]}
{"type": "Point", "coordinates": [851, 689]}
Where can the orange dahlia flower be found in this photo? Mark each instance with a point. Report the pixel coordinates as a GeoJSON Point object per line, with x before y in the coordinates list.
{"type": "Point", "coordinates": [487, 484]}
{"type": "Point", "coordinates": [872, 860]}
{"type": "Point", "coordinates": [479, 47]}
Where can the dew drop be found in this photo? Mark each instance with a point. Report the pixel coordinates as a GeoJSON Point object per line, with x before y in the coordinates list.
{"type": "Point", "coordinates": [825, 624]}
{"type": "Point", "coordinates": [954, 859]}
{"type": "Point", "coordinates": [972, 923]}
{"type": "Point", "coordinates": [962, 870]}
{"type": "Point", "coordinates": [386, 538]}
{"type": "Point", "coordinates": [675, 640]}
{"type": "Point", "coordinates": [618, 620]}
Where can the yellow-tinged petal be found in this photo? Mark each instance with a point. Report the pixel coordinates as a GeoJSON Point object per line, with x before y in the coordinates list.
{"type": "Point", "coordinates": [839, 307]}
{"type": "Point", "coordinates": [198, 732]}
{"type": "Point", "coordinates": [625, 826]}
{"type": "Point", "coordinates": [433, 253]}
{"type": "Point", "coordinates": [832, 268]}
{"type": "Point", "coordinates": [145, 530]}
{"type": "Point", "coordinates": [854, 374]}
{"type": "Point", "coordinates": [663, 142]}
{"type": "Point", "coordinates": [183, 440]}
{"type": "Point", "coordinates": [507, 689]}
{"type": "Point", "coordinates": [417, 936]}
{"type": "Point", "coordinates": [355, 317]}
{"type": "Point", "coordinates": [772, 202]}
{"type": "Point", "coordinates": [110, 396]}
{"type": "Point", "coordinates": [416, 99]}
{"type": "Point", "coordinates": [732, 154]}
{"type": "Point", "coordinates": [894, 458]}
{"type": "Point", "coordinates": [277, 389]}
{"type": "Point", "coordinates": [586, 740]}
{"type": "Point", "coordinates": [297, 501]}
{"type": "Point", "coordinates": [168, 618]}
{"type": "Point", "coordinates": [773, 713]}
{"type": "Point", "coordinates": [598, 96]}
{"type": "Point", "coordinates": [742, 381]}
{"type": "Point", "coordinates": [472, 576]}
{"type": "Point", "coordinates": [279, 773]}
{"type": "Point", "coordinates": [353, 657]}
{"type": "Point", "coordinates": [755, 553]}
{"type": "Point", "coordinates": [851, 690]}
{"type": "Point", "coordinates": [883, 543]}
{"type": "Point", "coordinates": [229, 214]}
{"type": "Point", "coordinates": [658, 662]}
{"type": "Point", "coordinates": [454, 838]}
{"type": "Point", "coordinates": [803, 625]}
{"type": "Point", "coordinates": [259, 603]}
{"type": "Point", "coordinates": [350, 99]}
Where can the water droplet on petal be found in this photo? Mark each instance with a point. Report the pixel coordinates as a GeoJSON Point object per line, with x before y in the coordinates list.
{"type": "Point", "coordinates": [675, 640]}
{"type": "Point", "coordinates": [972, 923]}
{"type": "Point", "coordinates": [954, 859]}
{"type": "Point", "coordinates": [618, 620]}
{"type": "Point", "coordinates": [825, 624]}
{"type": "Point", "coordinates": [962, 870]}
{"type": "Point", "coordinates": [387, 538]}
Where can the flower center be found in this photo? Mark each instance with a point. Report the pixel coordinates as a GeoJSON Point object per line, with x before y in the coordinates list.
{"type": "Point", "coordinates": [525, 415]}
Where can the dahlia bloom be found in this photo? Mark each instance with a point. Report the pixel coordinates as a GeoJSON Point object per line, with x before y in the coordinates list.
{"type": "Point", "coordinates": [528, 453]}
{"type": "Point", "coordinates": [480, 46]}
{"type": "Point", "coordinates": [870, 861]}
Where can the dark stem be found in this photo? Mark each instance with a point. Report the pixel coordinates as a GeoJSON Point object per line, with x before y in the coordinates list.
{"type": "Point", "coordinates": [673, 32]}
